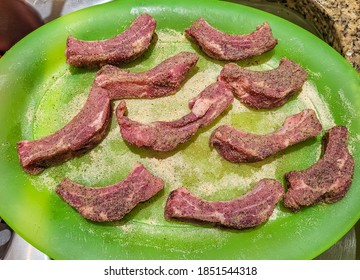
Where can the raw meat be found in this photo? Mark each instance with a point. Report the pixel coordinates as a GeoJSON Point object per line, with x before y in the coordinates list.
{"type": "Point", "coordinates": [231, 47]}
{"type": "Point", "coordinates": [122, 48]}
{"type": "Point", "coordinates": [328, 180]}
{"type": "Point", "coordinates": [81, 134]}
{"type": "Point", "coordinates": [264, 89]}
{"type": "Point", "coordinates": [111, 203]}
{"type": "Point", "coordinates": [239, 146]}
{"type": "Point", "coordinates": [164, 79]}
{"type": "Point", "coordinates": [166, 136]}
{"type": "Point", "coordinates": [249, 210]}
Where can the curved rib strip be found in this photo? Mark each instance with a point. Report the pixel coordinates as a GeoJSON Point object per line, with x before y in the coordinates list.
{"type": "Point", "coordinates": [166, 136]}
{"type": "Point", "coordinates": [163, 80]}
{"type": "Point", "coordinates": [239, 146]}
{"type": "Point", "coordinates": [249, 210]}
{"type": "Point", "coordinates": [264, 89]}
{"type": "Point", "coordinates": [124, 47]}
{"type": "Point", "coordinates": [81, 134]}
{"type": "Point", "coordinates": [230, 47]}
{"type": "Point", "coordinates": [111, 203]}
{"type": "Point", "coordinates": [328, 180]}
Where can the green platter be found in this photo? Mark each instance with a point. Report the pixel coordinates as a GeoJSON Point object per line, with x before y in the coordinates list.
{"type": "Point", "coordinates": [40, 93]}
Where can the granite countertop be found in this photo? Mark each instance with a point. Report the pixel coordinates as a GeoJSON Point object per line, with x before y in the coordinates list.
{"type": "Point", "coordinates": [338, 21]}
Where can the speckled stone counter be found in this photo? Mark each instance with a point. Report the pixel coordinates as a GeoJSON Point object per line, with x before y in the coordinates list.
{"type": "Point", "coordinates": [338, 21]}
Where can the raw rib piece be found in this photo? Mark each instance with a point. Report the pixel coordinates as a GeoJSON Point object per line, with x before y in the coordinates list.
{"type": "Point", "coordinates": [164, 79]}
{"type": "Point", "coordinates": [231, 47]}
{"type": "Point", "coordinates": [81, 134]}
{"type": "Point", "coordinates": [124, 47]}
{"type": "Point", "coordinates": [249, 210]}
{"type": "Point", "coordinates": [165, 136]}
{"type": "Point", "coordinates": [239, 146]}
{"type": "Point", "coordinates": [264, 89]}
{"type": "Point", "coordinates": [328, 180]}
{"type": "Point", "coordinates": [111, 203]}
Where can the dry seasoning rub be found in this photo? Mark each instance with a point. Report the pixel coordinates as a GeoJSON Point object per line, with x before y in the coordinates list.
{"type": "Point", "coordinates": [81, 134]}
{"type": "Point", "coordinates": [328, 180]}
{"type": "Point", "coordinates": [264, 89]}
{"type": "Point", "coordinates": [162, 80]}
{"type": "Point", "coordinates": [111, 203]}
{"type": "Point", "coordinates": [249, 210]}
{"type": "Point", "coordinates": [231, 47]}
{"type": "Point", "coordinates": [125, 47]}
{"type": "Point", "coordinates": [240, 146]}
{"type": "Point", "coordinates": [166, 136]}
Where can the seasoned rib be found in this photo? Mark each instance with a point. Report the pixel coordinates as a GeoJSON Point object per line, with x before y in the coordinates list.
{"type": "Point", "coordinates": [163, 80]}
{"type": "Point", "coordinates": [81, 134]}
{"type": "Point", "coordinates": [122, 48]}
{"type": "Point", "coordinates": [328, 180]}
{"type": "Point", "coordinates": [231, 47]}
{"type": "Point", "coordinates": [239, 146]}
{"type": "Point", "coordinates": [264, 89]}
{"type": "Point", "coordinates": [166, 136]}
{"type": "Point", "coordinates": [247, 211]}
{"type": "Point", "coordinates": [111, 203]}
